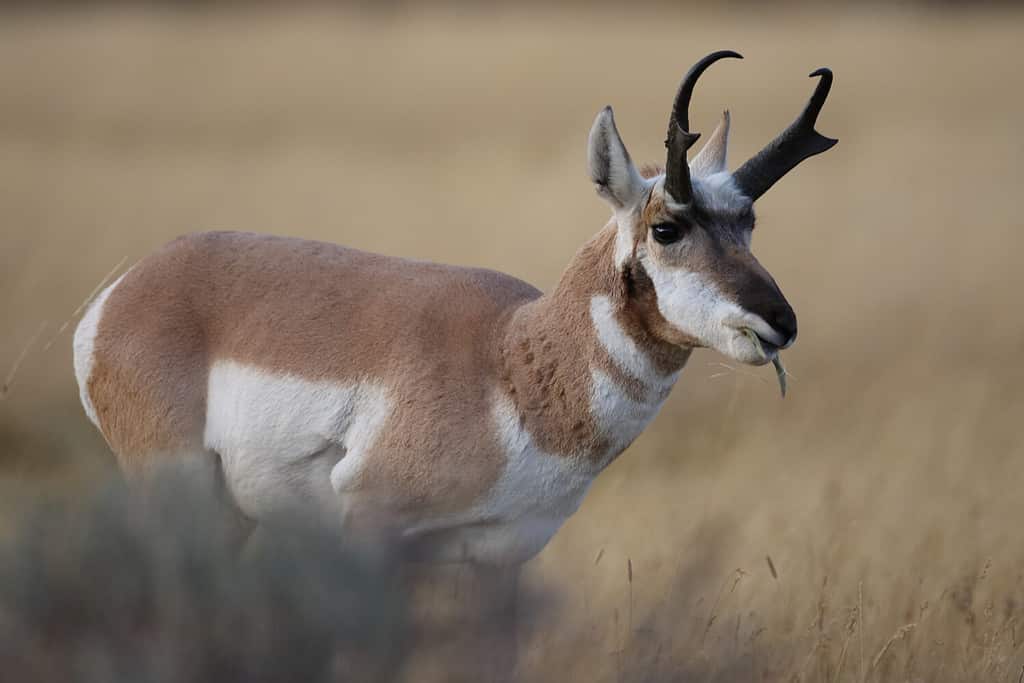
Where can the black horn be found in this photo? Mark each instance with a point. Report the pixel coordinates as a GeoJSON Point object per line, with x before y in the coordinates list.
{"type": "Point", "coordinates": [792, 146]}
{"type": "Point", "coordinates": [680, 139]}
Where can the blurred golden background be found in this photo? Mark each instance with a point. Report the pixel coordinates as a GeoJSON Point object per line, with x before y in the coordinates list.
{"type": "Point", "coordinates": [886, 488]}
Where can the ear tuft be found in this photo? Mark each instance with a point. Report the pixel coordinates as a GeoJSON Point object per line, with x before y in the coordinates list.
{"type": "Point", "coordinates": [611, 169]}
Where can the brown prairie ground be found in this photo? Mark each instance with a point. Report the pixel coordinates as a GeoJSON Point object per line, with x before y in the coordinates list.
{"type": "Point", "coordinates": [886, 488]}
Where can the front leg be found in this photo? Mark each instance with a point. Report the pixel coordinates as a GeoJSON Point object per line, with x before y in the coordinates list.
{"type": "Point", "coordinates": [464, 622]}
{"type": "Point", "coordinates": [499, 631]}
{"type": "Point", "coordinates": [370, 527]}
{"type": "Point", "coordinates": [463, 614]}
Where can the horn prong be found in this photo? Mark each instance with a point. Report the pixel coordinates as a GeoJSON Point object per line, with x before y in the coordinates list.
{"type": "Point", "coordinates": [797, 142]}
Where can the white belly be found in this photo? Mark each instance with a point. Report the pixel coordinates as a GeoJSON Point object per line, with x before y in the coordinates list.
{"type": "Point", "coordinates": [287, 442]}
{"type": "Point", "coordinates": [280, 437]}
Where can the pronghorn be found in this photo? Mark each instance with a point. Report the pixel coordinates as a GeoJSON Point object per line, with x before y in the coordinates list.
{"type": "Point", "coordinates": [458, 412]}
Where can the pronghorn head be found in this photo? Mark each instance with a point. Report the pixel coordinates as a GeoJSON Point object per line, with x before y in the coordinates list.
{"type": "Point", "coordinates": [683, 236]}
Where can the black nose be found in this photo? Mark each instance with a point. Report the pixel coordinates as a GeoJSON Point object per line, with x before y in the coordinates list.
{"type": "Point", "coordinates": [783, 319]}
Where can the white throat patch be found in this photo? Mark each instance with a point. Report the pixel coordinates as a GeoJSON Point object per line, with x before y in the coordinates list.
{"type": "Point", "coordinates": [619, 415]}
{"type": "Point", "coordinates": [622, 348]}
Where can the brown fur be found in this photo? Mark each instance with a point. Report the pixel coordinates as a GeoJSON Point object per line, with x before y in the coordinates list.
{"type": "Point", "coordinates": [440, 338]}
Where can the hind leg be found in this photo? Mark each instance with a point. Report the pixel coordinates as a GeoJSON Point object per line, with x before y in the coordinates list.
{"type": "Point", "coordinates": [194, 478]}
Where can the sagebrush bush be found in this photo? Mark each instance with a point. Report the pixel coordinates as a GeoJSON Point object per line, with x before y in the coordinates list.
{"type": "Point", "coordinates": [146, 588]}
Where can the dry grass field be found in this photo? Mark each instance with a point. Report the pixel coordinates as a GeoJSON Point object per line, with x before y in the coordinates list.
{"type": "Point", "coordinates": [887, 488]}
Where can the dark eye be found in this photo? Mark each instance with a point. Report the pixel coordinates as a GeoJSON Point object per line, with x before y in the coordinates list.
{"type": "Point", "coordinates": [667, 233]}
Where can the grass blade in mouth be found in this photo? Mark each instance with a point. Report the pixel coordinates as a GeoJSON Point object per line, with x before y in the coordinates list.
{"type": "Point", "coordinates": [780, 370]}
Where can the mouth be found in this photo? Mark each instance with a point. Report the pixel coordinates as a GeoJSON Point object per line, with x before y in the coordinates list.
{"type": "Point", "coordinates": [765, 348]}
{"type": "Point", "coordinates": [768, 348]}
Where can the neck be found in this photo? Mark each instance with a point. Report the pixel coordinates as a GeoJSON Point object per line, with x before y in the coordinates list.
{"type": "Point", "coordinates": [584, 369]}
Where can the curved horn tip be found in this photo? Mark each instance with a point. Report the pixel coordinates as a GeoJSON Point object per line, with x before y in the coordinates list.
{"type": "Point", "coordinates": [681, 104]}
{"type": "Point", "coordinates": [707, 60]}
{"type": "Point", "coordinates": [823, 71]}
{"type": "Point", "coordinates": [722, 54]}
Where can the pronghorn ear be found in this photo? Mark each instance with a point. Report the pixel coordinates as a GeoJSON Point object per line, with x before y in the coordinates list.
{"type": "Point", "coordinates": [611, 169]}
{"type": "Point", "coordinates": [712, 157]}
